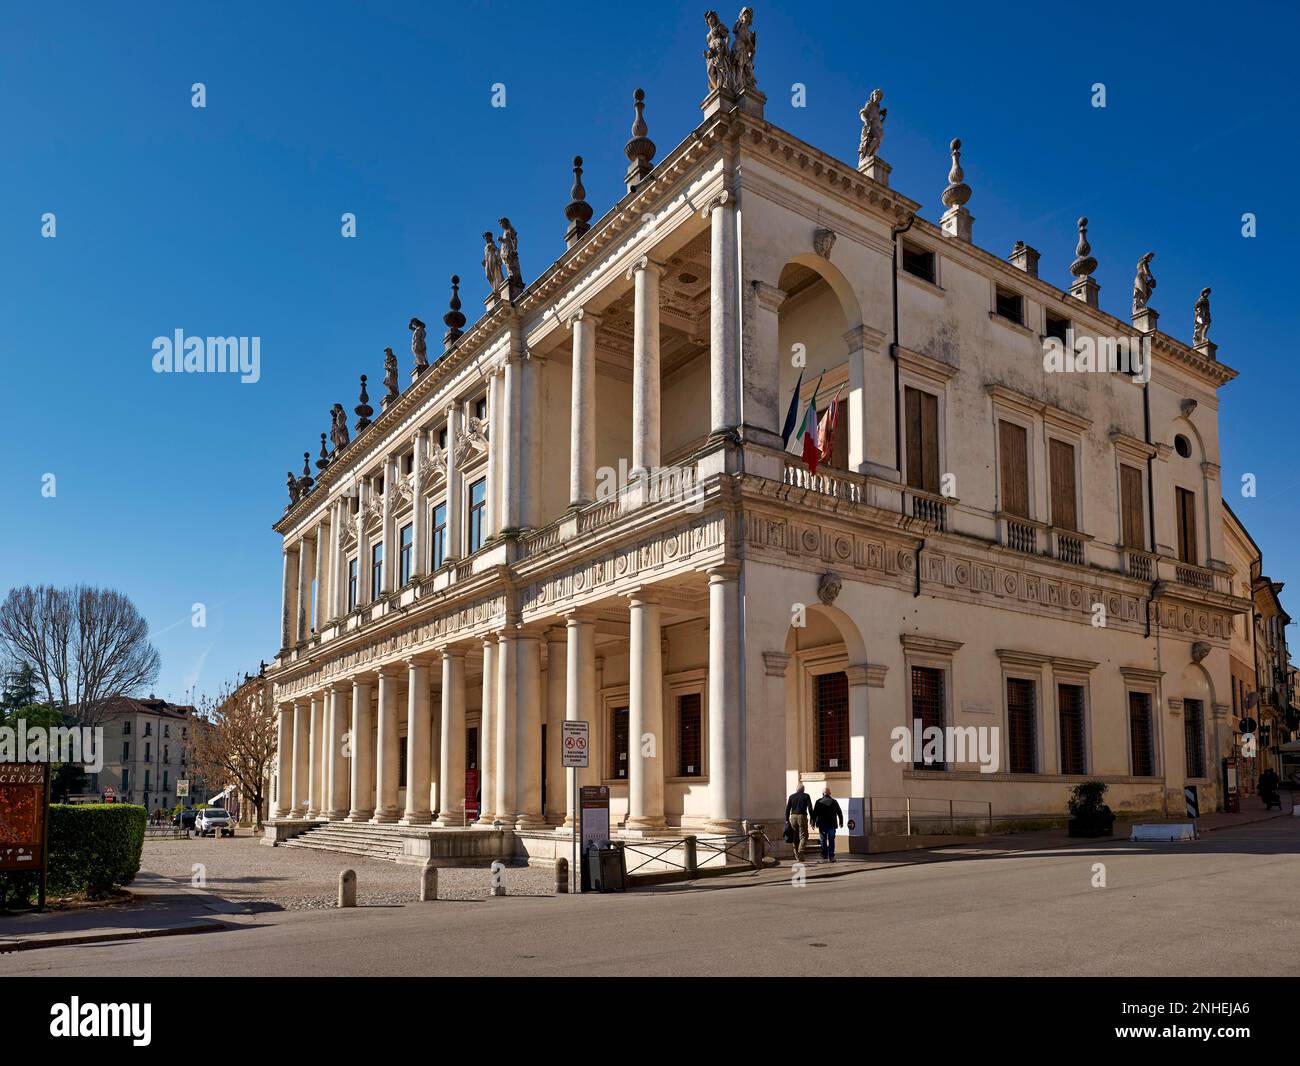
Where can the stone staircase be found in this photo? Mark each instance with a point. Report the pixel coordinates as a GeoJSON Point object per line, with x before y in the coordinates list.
{"type": "Point", "coordinates": [369, 841]}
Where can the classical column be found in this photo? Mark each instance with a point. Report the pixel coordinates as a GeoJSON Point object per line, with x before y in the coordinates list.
{"type": "Point", "coordinates": [289, 599]}
{"type": "Point", "coordinates": [419, 513]}
{"type": "Point", "coordinates": [363, 544]}
{"type": "Point", "coordinates": [508, 459]}
{"type": "Point", "coordinates": [304, 590]}
{"type": "Point", "coordinates": [487, 777]}
{"type": "Point", "coordinates": [724, 375]}
{"type": "Point", "coordinates": [496, 434]}
{"type": "Point", "coordinates": [645, 715]}
{"type": "Point", "coordinates": [582, 409]}
{"type": "Point", "coordinates": [337, 779]}
{"type": "Point", "coordinates": [301, 762]}
{"type": "Point", "coordinates": [387, 747]}
{"type": "Point", "coordinates": [528, 723]}
{"type": "Point", "coordinates": [530, 437]}
{"type": "Point", "coordinates": [390, 548]}
{"type": "Point", "coordinates": [284, 761]}
{"type": "Point", "coordinates": [870, 403]}
{"type": "Point", "coordinates": [504, 728]}
{"type": "Point", "coordinates": [580, 702]}
{"type": "Point", "coordinates": [363, 752]}
{"type": "Point", "coordinates": [418, 751]}
{"type": "Point", "coordinates": [315, 749]}
{"type": "Point", "coordinates": [455, 497]}
{"type": "Point", "coordinates": [451, 772]}
{"type": "Point", "coordinates": [322, 574]}
{"type": "Point", "coordinates": [556, 673]}
{"type": "Point", "coordinates": [724, 696]}
{"type": "Point", "coordinates": [760, 363]}
{"type": "Point", "coordinates": [645, 366]}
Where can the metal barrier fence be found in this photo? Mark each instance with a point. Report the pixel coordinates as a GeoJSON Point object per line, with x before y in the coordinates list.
{"type": "Point", "coordinates": [688, 853]}
{"type": "Point", "coordinates": [915, 815]}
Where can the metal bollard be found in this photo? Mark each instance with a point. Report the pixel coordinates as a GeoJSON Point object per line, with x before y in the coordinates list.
{"type": "Point", "coordinates": [498, 879]}
{"type": "Point", "coordinates": [561, 875]}
{"type": "Point", "coordinates": [348, 888]}
{"type": "Point", "coordinates": [428, 883]}
{"type": "Point", "coordinates": [691, 862]}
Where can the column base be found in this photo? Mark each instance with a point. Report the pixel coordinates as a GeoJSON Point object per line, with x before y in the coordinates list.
{"type": "Point", "coordinates": [722, 825]}
{"type": "Point", "coordinates": [335, 816]}
{"type": "Point", "coordinates": [295, 812]}
{"type": "Point", "coordinates": [386, 817]}
{"type": "Point", "coordinates": [530, 821]}
{"type": "Point", "coordinates": [359, 816]}
{"type": "Point", "coordinates": [312, 812]}
{"type": "Point", "coordinates": [416, 818]}
{"type": "Point", "coordinates": [641, 823]}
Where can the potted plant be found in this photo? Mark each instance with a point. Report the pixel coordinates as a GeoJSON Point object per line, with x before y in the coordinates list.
{"type": "Point", "coordinates": [1089, 817]}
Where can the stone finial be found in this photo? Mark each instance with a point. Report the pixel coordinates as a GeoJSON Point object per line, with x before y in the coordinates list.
{"type": "Point", "coordinates": [1201, 322]}
{"type": "Point", "coordinates": [305, 482]}
{"type": "Point", "coordinates": [363, 409]}
{"type": "Point", "coordinates": [577, 211]}
{"type": "Point", "coordinates": [390, 377]}
{"type": "Point", "coordinates": [510, 257]}
{"type": "Point", "coordinates": [640, 150]}
{"type": "Point", "coordinates": [324, 459]}
{"type": "Point", "coordinates": [419, 347]}
{"type": "Point", "coordinates": [1084, 263]}
{"type": "Point", "coordinates": [453, 319]}
{"type": "Point", "coordinates": [956, 221]}
{"type": "Point", "coordinates": [1026, 258]}
{"type": "Point", "coordinates": [1084, 287]}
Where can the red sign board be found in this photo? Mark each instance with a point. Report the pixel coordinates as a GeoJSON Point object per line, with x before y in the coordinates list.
{"type": "Point", "coordinates": [22, 815]}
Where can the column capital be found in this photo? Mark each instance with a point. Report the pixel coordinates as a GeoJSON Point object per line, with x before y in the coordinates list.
{"type": "Point", "coordinates": [723, 572]}
{"type": "Point", "coordinates": [864, 337]}
{"type": "Point", "coordinates": [386, 670]}
{"type": "Point", "coordinates": [647, 594]}
{"type": "Point", "coordinates": [650, 266]}
{"type": "Point", "coordinates": [582, 314]}
{"type": "Point", "coordinates": [775, 663]}
{"type": "Point", "coordinates": [769, 296]}
{"type": "Point", "coordinates": [339, 686]}
{"type": "Point", "coordinates": [452, 651]}
{"type": "Point", "coordinates": [422, 659]}
{"type": "Point", "coordinates": [575, 616]}
{"type": "Point", "coordinates": [714, 202]}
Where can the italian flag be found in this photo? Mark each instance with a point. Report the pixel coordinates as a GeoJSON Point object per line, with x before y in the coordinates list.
{"type": "Point", "coordinates": [806, 436]}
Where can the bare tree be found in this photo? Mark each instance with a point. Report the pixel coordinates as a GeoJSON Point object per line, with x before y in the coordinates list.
{"type": "Point", "coordinates": [235, 740]}
{"type": "Point", "coordinates": [84, 644]}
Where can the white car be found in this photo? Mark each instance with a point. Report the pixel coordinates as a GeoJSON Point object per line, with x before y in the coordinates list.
{"type": "Point", "coordinates": [214, 820]}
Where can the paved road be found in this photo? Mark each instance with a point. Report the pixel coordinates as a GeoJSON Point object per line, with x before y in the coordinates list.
{"type": "Point", "coordinates": [1222, 906]}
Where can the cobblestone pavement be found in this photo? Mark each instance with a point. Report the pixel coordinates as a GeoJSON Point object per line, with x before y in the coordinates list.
{"type": "Point", "coordinates": [269, 879]}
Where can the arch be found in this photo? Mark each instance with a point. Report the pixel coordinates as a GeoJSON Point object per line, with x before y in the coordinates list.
{"type": "Point", "coordinates": [855, 648]}
{"type": "Point", "coordinates": [834, 278]}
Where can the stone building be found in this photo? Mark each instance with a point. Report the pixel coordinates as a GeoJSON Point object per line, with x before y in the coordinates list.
{"type": "Point", "coordinates": [147, 749]}
{"type": "Point", "coordinates": [585, 509]}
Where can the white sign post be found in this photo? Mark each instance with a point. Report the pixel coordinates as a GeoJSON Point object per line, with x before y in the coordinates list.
{"type": "Point", "coordinates": [573, 742]}
{"type": "Point", "coordinates": [182, 788]}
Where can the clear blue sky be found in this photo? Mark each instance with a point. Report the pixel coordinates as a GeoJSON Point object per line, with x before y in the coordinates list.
{"type": "Point", "coordinates": [225, 221]}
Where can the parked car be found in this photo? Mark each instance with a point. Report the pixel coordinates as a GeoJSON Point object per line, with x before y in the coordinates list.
{"type": "Point", "coordinates": [214, 820]}
{"type": "Point", "coordinates": [185, 819]}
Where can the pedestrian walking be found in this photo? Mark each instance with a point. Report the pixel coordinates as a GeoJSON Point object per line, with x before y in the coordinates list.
{"type": "Point", "coordinates": [827, 817]}
{"type": "Point", "coordinates": [797, 809]}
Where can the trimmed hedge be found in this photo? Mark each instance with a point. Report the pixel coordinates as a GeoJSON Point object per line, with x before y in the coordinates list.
{"type": "Point", "coordinates": [94, 847]}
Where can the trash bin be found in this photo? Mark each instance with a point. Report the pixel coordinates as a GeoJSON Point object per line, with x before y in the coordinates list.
{"type": "Point", "coordinates": [604, 868]}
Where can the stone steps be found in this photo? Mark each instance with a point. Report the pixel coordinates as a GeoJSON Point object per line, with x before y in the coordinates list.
{"type": "Point", "coordinates": [349, 838]}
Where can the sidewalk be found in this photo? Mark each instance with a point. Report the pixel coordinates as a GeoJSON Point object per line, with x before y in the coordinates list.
{"type": "Point", "coordinates": [160, 907]}
{"type": "Point", "coordinates": [1001, 844]}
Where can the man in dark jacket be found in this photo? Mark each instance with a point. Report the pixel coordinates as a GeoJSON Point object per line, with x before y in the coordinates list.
{"type": "Point", "coordinates": [797, 809]}
{"type": "Point", "coordinates": [827, 817]}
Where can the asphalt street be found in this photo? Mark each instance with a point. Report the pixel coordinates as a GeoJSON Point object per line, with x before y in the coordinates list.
{"type": "Point", "coordinates": [1224, 905]}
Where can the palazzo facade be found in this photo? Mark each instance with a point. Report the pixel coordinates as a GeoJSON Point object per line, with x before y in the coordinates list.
{"type": "Point", "coordinates": [583, 510]}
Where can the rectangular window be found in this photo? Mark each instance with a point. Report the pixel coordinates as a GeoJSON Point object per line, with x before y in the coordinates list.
{"type": "Point", "coordinates": [404, 541]}
{"type": "Point", "coordinates": [166, 778]}
{"type": "Point", "coordinates": [471, 748]}
{"type": "Point", "coordinates": [126, 728]}
{"type": "Point", "coordinates": [1141, 749]}
{"type": "Point", "coordinates": [619, 747]}
{"type": "Point", "coordinates": [1022, 725]}
{"type": "Point", "coordinates": [1011, 306]}
{"type": "Point", "coordinates": [1069, 702]}
{"type": "Point", "coordinates": [1185, 500]}
{"type": "Point", "coordinates": [1132, 510]}
{"type": "Point", "coordinates": [922, 439]}
{"type": "Point", "coordinates": [402, 752]}
{"type": "Point", "coordinates": [439, 545]}
{"type": "Point", "coordinates": [167, 753]}
{"type": "Point", "coordinates": [1194, 737]}
{"type": "Point", "coordinates": [689, 738]}
{"type": "Point", "coordinates": [148, 729]}
{"type": "Point", "coordinates": [377, 571]}
{"type": "Point", "coordinates": [1013, 454]}
{"type": "Point", "coordinates": [919, 262]}
{"type": "Point", "coordinates": [352, 583]}
{"type": "Point", "coordinates": [480, 408]}
{"type": "Point", "coordinates": [477, 514]}
{"type": "Point", "coordinates": [1057, 327]}
{"type": "Point", "coordinates": [167, 730]}
{"type": "Point", "coordinates": [126, 782]}
{"type": "Point", "coordinates": [1064, 511]}
{"type": "Point", "coordinates": [148, 752]}
{"type": "Point", "coordinates": [831, 692]}
{"type": "Point", "coordinates": [146, 780]}
{"type": "Point", "coordinates": [927, 705]}
{"type": "Point", "coordinates": [126, 751]}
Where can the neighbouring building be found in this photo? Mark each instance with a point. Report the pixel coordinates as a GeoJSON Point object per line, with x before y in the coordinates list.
{"type": "Point", "coordinates": [148, 748]}
{"type": "Point", "coordinates": [584, 509]}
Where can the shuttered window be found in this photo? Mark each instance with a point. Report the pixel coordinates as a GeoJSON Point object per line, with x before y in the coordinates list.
{"type": "Point", "coordinates": [832, 696]}
{"type": "Point", "coordinates": [1194, 737]}
{"type": "Point", "coordinates": [1132, 514]}
{"type": "Point", "coordinates": [927, 705]}
{"type": "Point", "coordinates": [1013, 450]}
{"type": "Point", "coordinates": [922, 440]}
{"type": "Point", "coordinates": [1064, 511]}
{"type": "Point", "coordinates": [1021, 726]}
{"type": "Point", "coordinates": [1141, 750]}
{"type": "Point", "coordinates": [1069, 702]}
{"type": "Point", "coordinates": [1185, 501]}
{"type": "Point", "coordinates": [689, 737]}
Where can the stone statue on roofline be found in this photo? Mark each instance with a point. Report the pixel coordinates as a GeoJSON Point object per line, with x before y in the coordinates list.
{"type": "Point", "coordinates": [419, 346]}
{"type": "Point", "coordinates": [744, 43]}
{"type": "Point", "coordinates": [1144, 284]}
{"type": "Point", "coordinates": [717, 55]}
{"type": "Point", "coordinates": [492, 262]}
{"type": "Point", "coordinates": [339, 430]}
{"type": "Point", "coordinates": [510, 250]}
{"type": "Point", "coordinates": [390, 374]}
{"type": "Point", "coordinates": [294, 493]}
{"type": "Point", "coordinates": [873, 125]}
{"type": "Point", "coordinates": [1201, 319]}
